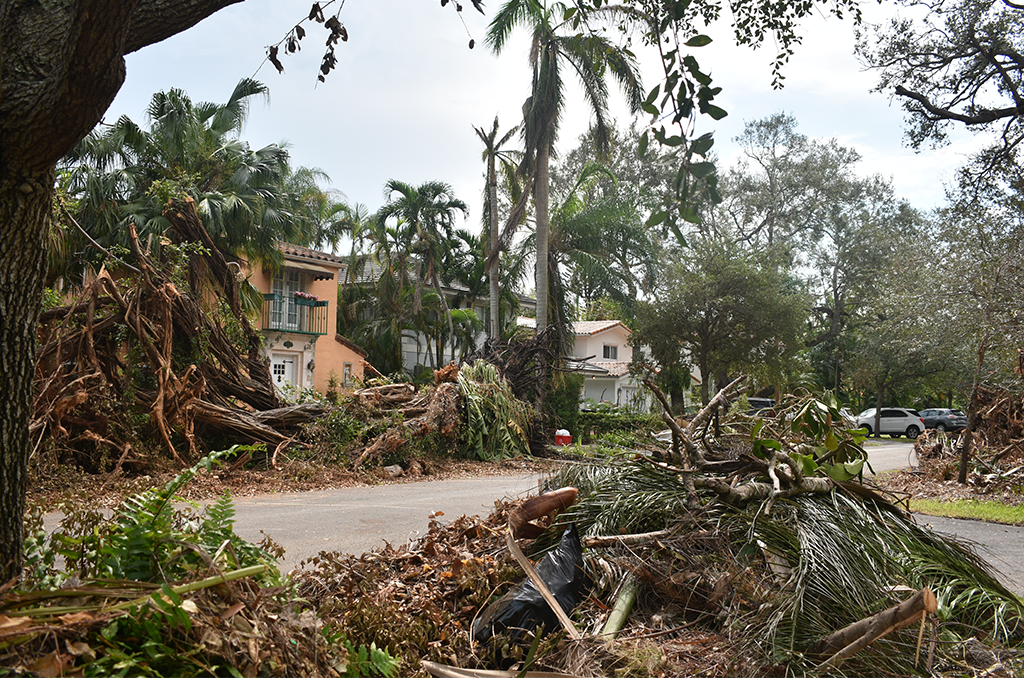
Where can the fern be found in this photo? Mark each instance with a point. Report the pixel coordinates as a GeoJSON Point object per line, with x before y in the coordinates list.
{"type": "Point", "coordinates": [149, 539]}
{"type": "Point", "coordinates": [368, 661]}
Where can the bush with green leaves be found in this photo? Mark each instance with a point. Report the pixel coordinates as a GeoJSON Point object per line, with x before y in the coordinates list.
{"type": "Point", "coordinates": [563, 401]}
{"type": "Point", "coordinates": [595, 424]}
{"type": "Point", "coordinates": [157, 590]}
{"type": "Point", "coordinates": [331, 436]}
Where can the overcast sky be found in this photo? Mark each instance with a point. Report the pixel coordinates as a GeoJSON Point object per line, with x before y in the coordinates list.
{"type": "Point", "coordinates": [407, 91]}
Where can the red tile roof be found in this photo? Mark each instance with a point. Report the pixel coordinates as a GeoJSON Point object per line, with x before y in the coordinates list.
{"type": "Point", "coordinates": [592, 327]}
{"type": "Point", "coordinates": [299, 252]}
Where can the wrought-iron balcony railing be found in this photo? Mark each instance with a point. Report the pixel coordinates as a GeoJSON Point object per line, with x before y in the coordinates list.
{"type": "Point", "coordinates": [294, 314]}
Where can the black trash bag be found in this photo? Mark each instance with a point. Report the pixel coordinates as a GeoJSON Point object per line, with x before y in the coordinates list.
{"type": "Point", "coordinates": [524, 609]}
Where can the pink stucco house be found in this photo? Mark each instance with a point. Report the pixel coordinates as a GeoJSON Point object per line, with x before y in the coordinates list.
{"type": "Point", "coordinates": [298, 321]}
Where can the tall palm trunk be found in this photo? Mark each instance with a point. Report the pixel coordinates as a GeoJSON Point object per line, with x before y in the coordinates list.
{"type": "Point", "coordinates": [492, 272]}
{"type": "Point", "coordinates": [540, 197]}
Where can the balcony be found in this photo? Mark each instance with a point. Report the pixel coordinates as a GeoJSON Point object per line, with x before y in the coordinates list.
{"type": "Point", "coordinates": [294, 314]}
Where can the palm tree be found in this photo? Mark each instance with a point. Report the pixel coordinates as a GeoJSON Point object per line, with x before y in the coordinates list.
{"type": "Point", "coordinates": [590, 56]}
{"type": "Point", "coordinates": [598, 247]}
{"type": "Point", "coordinates": [125, 173]}
{"type": "Point", "coordinates": [428, 214]}
{"type": "Point", "coordinates": [324, 217]}
{"type": "Point", "coordinates": [491, 155]}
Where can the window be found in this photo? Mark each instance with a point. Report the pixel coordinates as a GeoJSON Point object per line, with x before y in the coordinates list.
{"type": "Point", "coordinates": [346, 374]}
{"type": "Point", "coordinates": [285, 312]}
{"type": "Point", "coordinates": [611, 352]}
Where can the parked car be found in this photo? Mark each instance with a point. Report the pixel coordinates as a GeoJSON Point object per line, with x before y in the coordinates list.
{"type": "Point", "coordinates": [944, 419]}
{"type": "Point", "coordinates": [894, 421]}
{"type": "Point", "coordinates": [763, 407]}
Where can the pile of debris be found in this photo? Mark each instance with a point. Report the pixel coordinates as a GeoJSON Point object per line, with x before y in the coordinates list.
{"type": "Point", "coordinates": [999, 426]}
{"type": "Point", "coordinates": [996, 460]}
{"type": "Point", "coordinates": [157, 364]}
{"type": "Point", "coordinates": [420, 413]}
{"type": "Point", "coordinates": [150, 355]}
{"type": "Point", "coordinates": [716, 563]}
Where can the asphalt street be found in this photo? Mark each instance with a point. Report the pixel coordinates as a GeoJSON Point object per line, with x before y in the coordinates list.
{"type": "Point", "coordinates": [360, 519]}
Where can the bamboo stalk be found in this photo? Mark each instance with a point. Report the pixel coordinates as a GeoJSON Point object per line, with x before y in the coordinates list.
{"type": "Point", "coordinates": [53, 612]}
{"type": "Point", "coordinates": [620, 611]}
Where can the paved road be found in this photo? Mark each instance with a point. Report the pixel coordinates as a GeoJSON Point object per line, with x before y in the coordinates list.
{"type": "Point", "coordinates": [359, 519]}
{"type": "Point", "coordinates": [356, 520]}
{"type": "Point", "coordinates": [890, 454]}
{"type": "Point", "coordinates": [1001, 545]}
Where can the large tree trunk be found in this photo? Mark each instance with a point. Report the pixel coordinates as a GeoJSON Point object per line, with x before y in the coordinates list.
{"type": "Point", "coordinates": [492, 273]}
{"type": "Point", "coordinates": [967, 437]}
{"type": "Point", "coordinates": [540, 197]}
{"type": "Point", "coordinates": [61, 66]}
{"type": "Point", "coordinates": [24, 206]}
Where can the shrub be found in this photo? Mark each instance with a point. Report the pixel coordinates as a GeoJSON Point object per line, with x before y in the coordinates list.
{"type": "Point", "coordinates": [594, 424]}
{"type": "Point", "coordinates": [564, 401]}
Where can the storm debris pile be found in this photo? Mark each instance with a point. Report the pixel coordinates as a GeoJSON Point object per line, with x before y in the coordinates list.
{"type": "Point", "coordinates": [722, 561]}
{"type": "Point", "coordinates": [160, 352]}
{"type": "Point", "coordinates": [996, 461]}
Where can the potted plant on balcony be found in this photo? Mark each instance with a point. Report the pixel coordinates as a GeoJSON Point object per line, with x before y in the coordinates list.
{"type": "Point", "coordinates": [306, 299]}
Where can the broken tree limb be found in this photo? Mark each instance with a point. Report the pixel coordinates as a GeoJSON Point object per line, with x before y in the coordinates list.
{"type": "Point", "coordinates": [542, 505]}
{"type": "Point", "coordinates": [742, 494]}
{"type": "Point", "coordinates": [732, 390]}
{"type": "Point", "coordinates": [678, 435]}
{"type": "Point", "coordinates": [846, 642]}
{"type": "Point", "coordinates": [238, 421]}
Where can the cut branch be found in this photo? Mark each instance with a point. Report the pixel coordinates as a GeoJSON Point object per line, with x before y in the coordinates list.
{"type": "Point", "coordinates": [846, 642]}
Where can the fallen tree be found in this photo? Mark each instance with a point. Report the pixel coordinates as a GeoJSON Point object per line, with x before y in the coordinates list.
{"type": "Point", "coordinates": [150, 352]}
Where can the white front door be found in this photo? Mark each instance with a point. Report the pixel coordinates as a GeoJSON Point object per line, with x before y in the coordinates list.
{"type": "Point", "coordinates": [282, 368]}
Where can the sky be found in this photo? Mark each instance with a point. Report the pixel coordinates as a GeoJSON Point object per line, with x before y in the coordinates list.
{"type": "Point", "coordinates": [407, 91]}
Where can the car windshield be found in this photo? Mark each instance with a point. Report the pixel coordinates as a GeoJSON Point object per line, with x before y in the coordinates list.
{"type": "Point", "coordinates": [867, 413]}
{"type": "Point", "coordinates": [958, 413]}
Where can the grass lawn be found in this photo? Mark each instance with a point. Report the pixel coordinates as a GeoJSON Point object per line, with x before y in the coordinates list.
{"type": "Point", "coordinates": [989, 511]}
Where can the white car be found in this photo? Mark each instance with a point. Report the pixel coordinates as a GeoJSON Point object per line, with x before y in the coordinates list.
{"type": "Point", "coordinates": [894, 421]}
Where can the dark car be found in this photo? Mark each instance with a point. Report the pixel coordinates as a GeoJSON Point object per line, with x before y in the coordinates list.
{"type": "Point", "coordinates": [764, 407]}
{"type": "Point", "coordinates": [944, 419]}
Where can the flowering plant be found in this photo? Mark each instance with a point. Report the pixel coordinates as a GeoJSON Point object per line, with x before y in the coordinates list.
{"type": "Point", "coordinates": [306, 295]}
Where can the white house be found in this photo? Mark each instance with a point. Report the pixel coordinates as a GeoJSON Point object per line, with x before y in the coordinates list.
{"type": "Point", "coordinates": [603, 353]}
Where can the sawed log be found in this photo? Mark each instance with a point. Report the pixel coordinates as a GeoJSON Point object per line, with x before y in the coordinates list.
{"type": "Point", "coordinates": [520, 518]}
{"type": "Point", "coordinates": [848, 641]}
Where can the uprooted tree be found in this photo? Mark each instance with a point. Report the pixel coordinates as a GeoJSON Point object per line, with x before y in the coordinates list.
{"type": "Point", "coordinates": [164, 342]}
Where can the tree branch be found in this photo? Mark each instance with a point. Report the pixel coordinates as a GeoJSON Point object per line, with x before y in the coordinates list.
{"type": "Point", "coordinates": [939, 113]}
{"type": "Point", "coordinates": [154, 21]}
